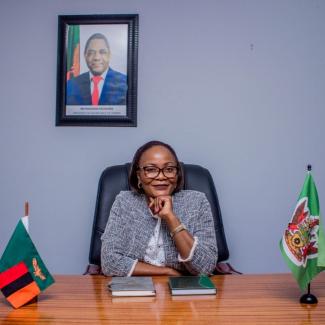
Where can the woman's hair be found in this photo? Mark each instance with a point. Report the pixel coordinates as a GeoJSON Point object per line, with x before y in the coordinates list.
{"type": "Point", "coordinates": [133, 179]}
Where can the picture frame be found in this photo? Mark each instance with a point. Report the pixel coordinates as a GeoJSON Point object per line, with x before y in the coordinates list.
{"type": "Point", "coordinates": [97, 70]}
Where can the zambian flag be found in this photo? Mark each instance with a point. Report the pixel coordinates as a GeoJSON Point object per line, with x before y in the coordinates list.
{"type": "Point", "coordinates": [23, 274]}
{"type": "Point", "coordinates": [73, 51]}
{"type": "Point", "coordinates": [303, 242]}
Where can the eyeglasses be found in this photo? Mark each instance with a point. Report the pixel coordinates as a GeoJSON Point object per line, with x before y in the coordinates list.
{"type": "Point", "coordinates": [153, 171]}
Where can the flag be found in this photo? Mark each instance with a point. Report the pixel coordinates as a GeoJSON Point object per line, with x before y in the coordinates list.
{"type": "Point", "coordinates": [23, 275]}
{"type": "Point", "coordinates": [73, 52]}
{"type": "Point", "coordinates": [303, 242]}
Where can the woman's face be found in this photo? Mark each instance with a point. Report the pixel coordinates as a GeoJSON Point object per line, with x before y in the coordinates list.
{"type": "Point", "coordinates": [157, 172]}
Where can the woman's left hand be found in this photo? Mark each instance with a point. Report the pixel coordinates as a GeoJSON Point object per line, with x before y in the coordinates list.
{"type": "Point", "coordinates": [162, 206]}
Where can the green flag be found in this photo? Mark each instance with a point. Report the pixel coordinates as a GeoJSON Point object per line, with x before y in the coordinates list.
{"type": "Point", "coordinates": [23, 274]}
{"type": "Point", "coordinates": [303, 243]}
{"type": "Point", "coordinates": [73, 51]}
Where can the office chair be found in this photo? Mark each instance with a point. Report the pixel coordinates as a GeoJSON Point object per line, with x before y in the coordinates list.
{"type": "Point", "coordinates": [115, 179]}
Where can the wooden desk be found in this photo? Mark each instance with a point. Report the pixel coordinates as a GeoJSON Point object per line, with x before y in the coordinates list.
{"type": "Point", "coordinates": [243, 299]}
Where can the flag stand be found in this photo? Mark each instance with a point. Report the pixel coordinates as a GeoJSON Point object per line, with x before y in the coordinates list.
{"type": "Point", "coordinates": [308, 298]}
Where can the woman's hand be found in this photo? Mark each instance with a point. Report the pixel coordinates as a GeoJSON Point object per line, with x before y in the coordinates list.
{"type": "Point", "coordinates": [161, 206]}
{"type": "Point", "coordinates": [145, 269]}
{"type": "Point", "coordinates": [172, 272]}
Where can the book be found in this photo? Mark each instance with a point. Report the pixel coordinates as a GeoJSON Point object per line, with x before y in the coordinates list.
{"type": "Point", "coordinates": [191, 285]}
{"type": "Point", "coordinates": [132, 286]}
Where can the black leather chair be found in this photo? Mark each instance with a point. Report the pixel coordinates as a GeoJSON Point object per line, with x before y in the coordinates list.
{"type": "Point", "coordinates": [115, 179]}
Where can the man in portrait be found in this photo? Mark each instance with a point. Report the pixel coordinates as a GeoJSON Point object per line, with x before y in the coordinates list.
{"type": "Point", "coordinates": [101, 85]}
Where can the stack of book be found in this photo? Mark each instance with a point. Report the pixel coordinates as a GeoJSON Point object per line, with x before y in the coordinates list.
{"type": "Point", "coordinates": [179, 285]}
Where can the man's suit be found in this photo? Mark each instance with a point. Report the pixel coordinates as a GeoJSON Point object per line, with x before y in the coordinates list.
{"type": "Point", "coordinates": [113, 92]}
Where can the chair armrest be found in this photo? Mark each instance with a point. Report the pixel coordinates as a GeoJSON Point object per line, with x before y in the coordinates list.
{"type": "Point", "coordinates": [93, 269]}
{"type": "Point", "coordinates": [225, 268]}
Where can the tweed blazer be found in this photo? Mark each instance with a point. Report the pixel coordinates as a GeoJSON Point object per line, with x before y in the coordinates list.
{"type": "Point", "coordinates": [130, 226]}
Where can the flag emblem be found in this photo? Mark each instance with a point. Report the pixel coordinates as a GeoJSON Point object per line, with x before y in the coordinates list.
{"type": "Point", "coordinates": [37, 270]}
{"type": "Point", "coordinates": [301, 234]}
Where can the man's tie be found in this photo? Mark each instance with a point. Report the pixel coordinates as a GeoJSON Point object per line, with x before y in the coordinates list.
{"type": "Point", "coordinates": [95, 94]}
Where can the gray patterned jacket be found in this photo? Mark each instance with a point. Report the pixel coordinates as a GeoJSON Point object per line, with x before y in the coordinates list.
{"type": "Point", "coordinates": [130, 226]}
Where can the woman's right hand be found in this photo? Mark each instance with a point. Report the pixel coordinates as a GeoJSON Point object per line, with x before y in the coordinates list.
{"type": "Point", "coordinates": [172, 272]}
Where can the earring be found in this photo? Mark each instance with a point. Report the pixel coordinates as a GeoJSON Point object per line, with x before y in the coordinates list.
{"type": "Point", "coordinates": [139, 184]}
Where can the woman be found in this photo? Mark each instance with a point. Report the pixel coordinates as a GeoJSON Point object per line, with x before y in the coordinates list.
{"type": "Point", "coordinates": [157, 228]}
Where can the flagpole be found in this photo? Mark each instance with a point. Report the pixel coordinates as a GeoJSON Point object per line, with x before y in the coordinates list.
{"type": "Point", "coordinates": [25, 218]}
{"type": "Point", "coordinates": [308, 298]}
{"type": "Point", "coordinates": [26, 214]}
{"type": "Point", "coordinates": [26, 209]}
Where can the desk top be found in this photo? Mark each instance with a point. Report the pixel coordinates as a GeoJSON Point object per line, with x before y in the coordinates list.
{"type": "Point", "coordinates": [241, 299]}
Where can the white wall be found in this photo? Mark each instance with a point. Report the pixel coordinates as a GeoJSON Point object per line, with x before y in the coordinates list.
{"type": "Point", "coordinates": [236, 86]}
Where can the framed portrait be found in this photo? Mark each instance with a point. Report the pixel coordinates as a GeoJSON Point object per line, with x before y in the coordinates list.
{"type": "Point", "coordinates": [97, 70]}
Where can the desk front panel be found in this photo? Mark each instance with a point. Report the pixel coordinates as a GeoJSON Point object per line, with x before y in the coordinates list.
{"type": "Point", "coordinates": [241, 299]}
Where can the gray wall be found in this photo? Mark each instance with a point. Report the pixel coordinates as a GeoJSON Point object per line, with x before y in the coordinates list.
{"type": "Point", "coordinates": [236, 86]}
